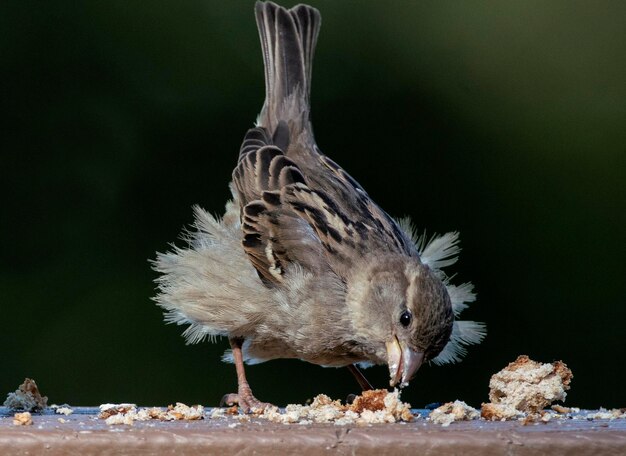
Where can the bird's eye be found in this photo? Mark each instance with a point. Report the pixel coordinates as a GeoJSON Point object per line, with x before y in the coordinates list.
{"type": "Point", "coordinates": [405, 318]}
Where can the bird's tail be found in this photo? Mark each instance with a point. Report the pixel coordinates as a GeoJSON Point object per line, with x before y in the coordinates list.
{"type": "Point", "coordinates": [288, 39]}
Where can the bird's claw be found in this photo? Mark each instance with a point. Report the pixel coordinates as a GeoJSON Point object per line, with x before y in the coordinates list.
{"type": "Point", "coordinates": [246, 402]}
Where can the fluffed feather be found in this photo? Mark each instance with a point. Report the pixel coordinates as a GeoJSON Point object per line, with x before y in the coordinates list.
{"type": "Point", "coordinates": [211, 286]}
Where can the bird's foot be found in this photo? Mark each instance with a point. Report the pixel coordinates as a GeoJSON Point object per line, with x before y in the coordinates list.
{"type": "Point", "coordinates": [245, 400]}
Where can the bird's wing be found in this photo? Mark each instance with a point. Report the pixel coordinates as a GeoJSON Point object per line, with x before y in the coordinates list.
{"type": "Point", "coordinates": [313, 217]}
{"type": "Point", "coordinates": [328, 178]}
{"type": "Point", "coordinates": [273, 234]}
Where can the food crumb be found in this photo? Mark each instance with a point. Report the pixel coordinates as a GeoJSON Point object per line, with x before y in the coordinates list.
{"type": "Point", "coordinates": [525, 387]}
{"type": "Point", "coordinates": [371, 407]}
{"type": "Point", "coordinates": [604, 414]}
{"type": "Point", "coordinates": [128, 413]}
{"type": "Point", "coordinates": [64, 410]}
{"type": "Point", "coordinates": [23, 419]}
{"type": "Point", "coordinates": [500, 412]}
{"type": "Point", "coordinates": [26, 397]}
{"type": "Point", "coordinates": [232, 410]}
{"type": "Point", "coordinates": [218, 413]}
{"type": "Point", "coordinates": [453, 411]}
{"type": "Point", "coordinates": [108, 410]}
{"type": "Point", "coordinates": [560, 409]}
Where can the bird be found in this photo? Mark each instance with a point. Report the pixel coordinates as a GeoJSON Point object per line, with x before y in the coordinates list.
{"type": "Point", "coordinates": [304, 264]}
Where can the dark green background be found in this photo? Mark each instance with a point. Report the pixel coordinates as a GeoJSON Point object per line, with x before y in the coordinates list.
{"type": "Point", "coordinates": [504, 120]}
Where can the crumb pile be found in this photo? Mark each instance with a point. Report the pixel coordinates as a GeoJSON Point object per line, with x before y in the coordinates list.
{"type": "Point", "coordinates": [453, 411]}
{"type": "Point", "coordinates": [525, 387]}
{"type": "Point", "coordinates": [129, 413]}
{"type": "Point", "coordinates": [371, 407]}
{"type": "Point", "coordinates": [27, 397]}
{"type": "Point", "coordinates": [521, 391]}
{"type": "Point", "coordinates": [376, 406]}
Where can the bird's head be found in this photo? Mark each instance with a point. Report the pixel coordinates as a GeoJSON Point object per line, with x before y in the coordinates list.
{"type": "Point", "coordinates": [405, 311]}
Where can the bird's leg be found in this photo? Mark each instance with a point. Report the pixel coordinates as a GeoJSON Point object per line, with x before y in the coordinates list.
{"type": "Point", "coordinates": [244, 398]}
{"type": "Point", "coordinates": [358, 375]}
{"type": "Point", "coordinates": [363, 382]}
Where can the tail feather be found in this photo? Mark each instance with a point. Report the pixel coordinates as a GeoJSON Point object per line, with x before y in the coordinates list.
{"type": "Point", "coordinates": [288, 39]}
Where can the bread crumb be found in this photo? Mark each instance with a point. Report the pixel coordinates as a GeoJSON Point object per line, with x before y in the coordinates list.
{"type": "Point", "coordinates": [63, 410]}
{"type": "Point", "coordinates": [27, 397]}
{"type": "Point", "coordinates": [604, 414]}
{"type": "Point", "coordinates": [108, 410]}
{"type": "Point", "coordinates": [375, 406]}
{"type": "Point", "coordinates": [453, 411]}
{"type": "Point", "coordinates": [499, 412]}
{"type": "Point", "coordinates": [181, 411]}
{"type": "Point", "coordinates": [401, 411]}
{"type": "Point", "coordinates": [23, 419]}
{"type": "Point", "coordinates": [128, 413]}
{"type": "Point", "coordinates": [120, 418]}
{"type": "Point", "coordinates": [218, 413]}
{"type": "Point", "coordinates": [560, 409]}
{"type": "Point", "coordinates": [370, 400]}
{"type": "Point", "coordinates": [543, 416]}
{"type": "Point", "coordinates": [232, 410]}
{"type": "Point", "coordinates": [526, 387]}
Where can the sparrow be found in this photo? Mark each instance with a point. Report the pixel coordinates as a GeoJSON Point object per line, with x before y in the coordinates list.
{"type": "Point", "coordinates": [304, 264]}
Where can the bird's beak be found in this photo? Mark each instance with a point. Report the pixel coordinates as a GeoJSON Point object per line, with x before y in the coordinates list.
{"type": "Point", "coordinates": [403, 362]}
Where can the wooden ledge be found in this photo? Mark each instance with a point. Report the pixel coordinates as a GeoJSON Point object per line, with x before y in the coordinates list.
{"type": "Point", "coordinates": [83, 433]}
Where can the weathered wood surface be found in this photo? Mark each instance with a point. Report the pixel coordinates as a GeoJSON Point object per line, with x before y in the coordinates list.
{"type": "Point", "coordinates": [83, 433]}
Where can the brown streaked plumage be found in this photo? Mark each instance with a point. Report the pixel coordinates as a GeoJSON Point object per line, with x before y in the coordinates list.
{"type": "Point", "coordinates": [304, 264]}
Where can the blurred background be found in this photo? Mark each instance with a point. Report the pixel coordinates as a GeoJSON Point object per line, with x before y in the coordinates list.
{"type": "Point", "coordinates": [504, 120]}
